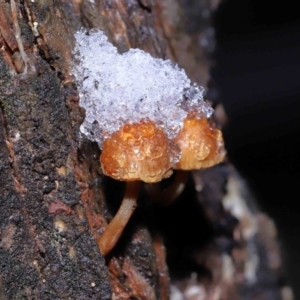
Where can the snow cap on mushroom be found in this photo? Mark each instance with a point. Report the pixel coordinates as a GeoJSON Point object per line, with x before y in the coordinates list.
{"type": "Point", "coordinates": [116, 89]}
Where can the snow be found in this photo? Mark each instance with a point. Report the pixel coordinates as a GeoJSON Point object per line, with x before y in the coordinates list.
{"type": "Point", "coordinates": [118, 88]}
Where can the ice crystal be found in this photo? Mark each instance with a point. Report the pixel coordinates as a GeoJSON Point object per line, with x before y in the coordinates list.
{"type": "Point", "coordinates": [118, 88]}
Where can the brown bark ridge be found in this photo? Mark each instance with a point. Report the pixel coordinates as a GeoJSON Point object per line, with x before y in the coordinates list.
{"type": "Point", "coordinates": [212, 243]}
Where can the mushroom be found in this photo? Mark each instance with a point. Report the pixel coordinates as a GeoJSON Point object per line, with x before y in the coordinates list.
{"type": "Point", "coordinates": [136, 152]}
{"type": "Point", "coordinates": [201, 145]}
{"type": "Point", "coordinates": [142, 152]}
{"type": "Point", "coordinates": [135, 105]}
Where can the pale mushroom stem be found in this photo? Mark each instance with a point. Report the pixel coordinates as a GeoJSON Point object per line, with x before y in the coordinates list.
{"type": "Point", "coordinates": [113, 231]}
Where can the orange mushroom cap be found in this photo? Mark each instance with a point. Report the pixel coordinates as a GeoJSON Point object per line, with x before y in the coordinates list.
{"type": "Point", "coordinates": [139, 151]}
{"type": "Point", "coordinates": [202, 145]}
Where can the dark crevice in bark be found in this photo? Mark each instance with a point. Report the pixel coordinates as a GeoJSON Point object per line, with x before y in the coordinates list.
{"type": "Point", "coordinates": [144, 6]}
{"type": "Point", "coordinates": [23, 11]}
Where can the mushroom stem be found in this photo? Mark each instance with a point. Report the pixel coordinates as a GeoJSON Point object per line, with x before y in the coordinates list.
{"type": "Point", "coordinates": [113, 231]}
{"type": "Point", "coordinates": [166, 196]}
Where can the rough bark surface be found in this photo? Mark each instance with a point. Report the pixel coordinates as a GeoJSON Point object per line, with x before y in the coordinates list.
{"type": "Point", "coordinates": [54, 200]}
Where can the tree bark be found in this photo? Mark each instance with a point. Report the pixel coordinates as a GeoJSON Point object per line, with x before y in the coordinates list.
{"type": "Point", "coordinates": [55, 201]}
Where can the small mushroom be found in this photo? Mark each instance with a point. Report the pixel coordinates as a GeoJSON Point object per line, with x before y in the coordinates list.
{"type": "Point", "coordinates": [201, 144]}
{"type": "Point", "coordinates": [136, 152]}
